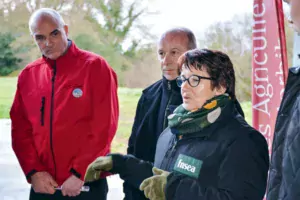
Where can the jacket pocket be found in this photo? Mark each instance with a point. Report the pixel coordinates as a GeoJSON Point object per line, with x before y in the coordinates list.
{"type": "Point", "coordinates": [42, 110]}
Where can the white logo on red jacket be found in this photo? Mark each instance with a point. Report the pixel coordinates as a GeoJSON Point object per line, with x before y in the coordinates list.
{"type": "Point", "coordinates": [77, 92]}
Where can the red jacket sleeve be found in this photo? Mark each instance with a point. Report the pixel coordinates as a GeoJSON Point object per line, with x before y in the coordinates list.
{"type": "Point", "coordinates": [105, 114]}
{"type": "Point", "coordinates": [22, 138]}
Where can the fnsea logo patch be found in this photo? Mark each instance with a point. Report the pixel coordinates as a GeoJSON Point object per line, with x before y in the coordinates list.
{"type": "Point", "coordinates": [188, 166]}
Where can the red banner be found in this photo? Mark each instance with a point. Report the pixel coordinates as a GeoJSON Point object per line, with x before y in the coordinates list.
{"type": "Point", "coordinates": [269, 65]}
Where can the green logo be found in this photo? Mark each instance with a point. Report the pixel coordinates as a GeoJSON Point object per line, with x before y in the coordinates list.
{"type": "Point", "coordinates": [188, 166]}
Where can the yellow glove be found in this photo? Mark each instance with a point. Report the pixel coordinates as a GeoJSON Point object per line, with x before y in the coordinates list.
{"type": "Point", "coordinates": [154, 187]}
{"type": "Point", "coordinates": [102, 163]}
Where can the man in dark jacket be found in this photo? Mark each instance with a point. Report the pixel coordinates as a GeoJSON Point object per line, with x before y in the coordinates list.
{"type": "Point", "coordinates": [158, 100]}
{"type": "Point", "coordinates": [64, 114]}
{"type": "Point", "coordinates": [284, 175]}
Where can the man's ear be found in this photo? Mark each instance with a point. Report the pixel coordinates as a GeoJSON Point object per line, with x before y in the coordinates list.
{"type": "Point", "coordinates": [66, 28]}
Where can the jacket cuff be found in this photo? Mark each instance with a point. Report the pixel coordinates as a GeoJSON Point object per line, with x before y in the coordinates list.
{"type": "Point", "coordinates": [29, 174]}
{"type": "Point", "coordinates": [173, 179]}
{"type": "Point", "coordinates": [117, 162]}
{"type": "Point", "coordinates": [75, 173]}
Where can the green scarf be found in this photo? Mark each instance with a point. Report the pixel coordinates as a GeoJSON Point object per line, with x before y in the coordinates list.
{"type": "Point", "coordinates": [184, 121]}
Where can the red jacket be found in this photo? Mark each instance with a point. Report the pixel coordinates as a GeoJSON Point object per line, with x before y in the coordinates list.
{"type": "Point", "coordinates": [65, 114]}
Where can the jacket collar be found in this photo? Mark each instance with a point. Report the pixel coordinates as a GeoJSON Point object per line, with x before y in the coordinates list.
{"type": "Point", "coordinates": [153, 91]}
{"type": "Point", "coordinates": [170, 85]}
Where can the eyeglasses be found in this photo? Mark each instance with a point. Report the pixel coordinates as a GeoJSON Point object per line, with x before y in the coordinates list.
{"type": "Point", "coordinates": [193, 80]}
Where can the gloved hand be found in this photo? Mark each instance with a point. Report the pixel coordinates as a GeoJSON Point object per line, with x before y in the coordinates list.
{"type": "Point", "coordinates": [102, 163]}
{"type": "Point", "coordinates": [154, 187]}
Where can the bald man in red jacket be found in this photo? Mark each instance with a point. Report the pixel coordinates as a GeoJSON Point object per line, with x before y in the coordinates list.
{"type": "Point", "coordinates": [64, 114]}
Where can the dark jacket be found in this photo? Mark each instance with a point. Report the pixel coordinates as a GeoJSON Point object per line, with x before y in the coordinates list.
{"type": "Point", "coordinates": [284, 176]}
{"type": "Point", "coordinates": [156, 103]}
{"type": "Point", "coordinates": [233, 161]}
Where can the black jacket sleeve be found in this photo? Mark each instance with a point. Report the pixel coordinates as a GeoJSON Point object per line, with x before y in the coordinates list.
{"type": "Point", "coordinates": [131, 170]}
{"type": "Point", "coordinates": [136, 124]}
{"type": "Point", "coordinates": [242, 175]}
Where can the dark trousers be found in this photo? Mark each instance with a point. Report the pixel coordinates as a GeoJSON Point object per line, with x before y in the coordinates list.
{"type": "Point", "coordinates": [98, 191]}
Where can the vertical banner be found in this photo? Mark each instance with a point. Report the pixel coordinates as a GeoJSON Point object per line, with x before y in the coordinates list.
{"type": "Point", "coordinates": [269, 65]}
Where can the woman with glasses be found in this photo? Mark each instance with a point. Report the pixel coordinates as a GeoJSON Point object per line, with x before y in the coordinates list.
{"type": "Point", "coordinates": [208, 150]}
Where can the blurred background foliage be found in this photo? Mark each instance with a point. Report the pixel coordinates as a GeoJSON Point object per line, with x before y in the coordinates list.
{"type": "Point", "coordinates": [106, 27]}
{"type": "Point", "coordinates": [115, 29]}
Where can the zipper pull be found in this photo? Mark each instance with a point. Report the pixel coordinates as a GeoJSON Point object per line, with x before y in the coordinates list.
{"type": "Point", "coordinates": [174, 145]}
{"type": "Point", "coordinates": [176, 140]}
{"type": "Point", "coordinates": [169, 85]}
{"type": "Point", "coordinates": [171, 147]}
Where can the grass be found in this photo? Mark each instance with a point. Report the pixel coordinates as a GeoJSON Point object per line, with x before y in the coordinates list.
{"type": "Point", "coordinates": [128, 99]}
{"type": "Point", "coordinates": [247, 111]}
{"type": "Point", "coordinates": [7, 91]}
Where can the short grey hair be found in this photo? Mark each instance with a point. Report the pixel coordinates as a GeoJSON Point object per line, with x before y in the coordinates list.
{"type": "Point", "coordinates": [45, 12]}
{"type": "Point", "coordinates": [192, 44]}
